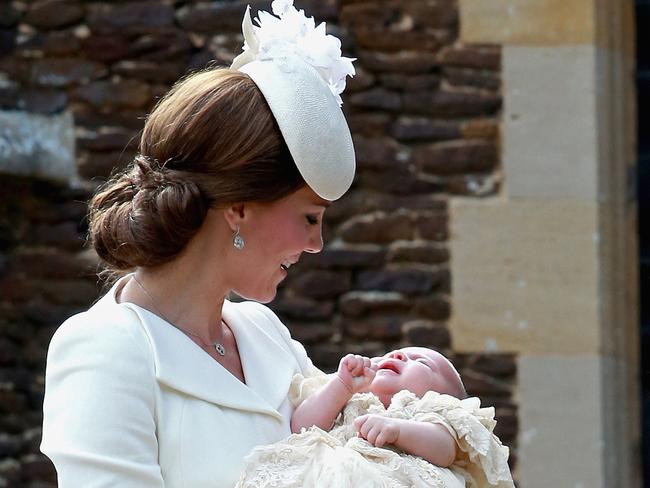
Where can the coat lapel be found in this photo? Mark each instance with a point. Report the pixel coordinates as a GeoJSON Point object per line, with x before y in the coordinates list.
{"type": "Point", "coordinates": [268, 363]}
{"type": "Point", "coordinates": [182, 365]}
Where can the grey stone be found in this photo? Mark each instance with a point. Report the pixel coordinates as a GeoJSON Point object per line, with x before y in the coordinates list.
{"type": "Point", "coordinates": [61, 72]}
{"type": "Point", "coordinates": [410, 280]}
{"type": "Point", "coordinates": [421, 128]}
{"type": "Point", "coordinates": [37, 145]}
{"type": "Point", "coordinates": [359, 303]}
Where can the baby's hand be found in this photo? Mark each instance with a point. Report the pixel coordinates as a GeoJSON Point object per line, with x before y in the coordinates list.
{"type": "Point", "coordinates": [377, 430]}
{"type": "Point", "coordinates": [355, 372]}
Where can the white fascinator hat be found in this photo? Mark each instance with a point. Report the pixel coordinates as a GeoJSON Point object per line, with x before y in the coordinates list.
{"type": "Point", "coordinates": [301, 73]}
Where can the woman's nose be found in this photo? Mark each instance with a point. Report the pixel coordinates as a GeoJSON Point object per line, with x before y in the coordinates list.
{"type": "Point", "coordinates": [315, 243]}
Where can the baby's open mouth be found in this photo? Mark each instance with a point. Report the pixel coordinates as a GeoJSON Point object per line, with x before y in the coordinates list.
{"type": "Point", "coordinates": [388, 365]}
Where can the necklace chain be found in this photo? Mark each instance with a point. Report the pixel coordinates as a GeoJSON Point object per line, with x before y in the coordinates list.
{"type": "Point", "coordinates": [218, 345]}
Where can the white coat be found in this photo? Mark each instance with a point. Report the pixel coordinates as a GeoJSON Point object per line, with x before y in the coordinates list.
{"type": "Point", "coordinates": [130, 401]}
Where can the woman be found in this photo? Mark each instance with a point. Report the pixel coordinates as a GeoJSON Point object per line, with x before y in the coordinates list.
{"type": "Point", "coordinates": [164, 382]}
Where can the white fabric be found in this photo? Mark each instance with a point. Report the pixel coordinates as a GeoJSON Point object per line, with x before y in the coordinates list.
{"type": "Point", "coordinates": [130, 401]}
{"type": "Point", "coordinates": [315, 458]}
{"type": "Point", "coordinates": [310, 119]}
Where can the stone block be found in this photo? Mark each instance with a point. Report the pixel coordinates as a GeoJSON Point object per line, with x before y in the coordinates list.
{"type": "Point", "coordinates": [408, 129]}
{"type": "Point", "coordinates": [467, 77]}
{"type": "Point", "coordinates": [407, 83]}
{"type": "Point", "coordinates": [321, 284]}
{"type": "Point", "coordinates": [551, 138]}
{"type": "Point", "coordinates": [453, 157]}
{"type": "Point", "coordinates": [432, 225]}
{"type": "Point", "coordinates": [475, 185]}
{"type": "Point", "coordinates": [378, 152]}
{"type": "Point", "coordinates": [528, 22]}
{"type": "Point", "coordinates": [115, 94]}
{"type": "Point", "coordinates": [362, 80]}
{"type": "Point", "coordinates": [509, 261]}
{"type": "Point", "coordinates": [381, 327]}
{"type": "Point", "coordinates": [54, 14]}
{"type": "Point", "coordinates": [418, 251]}
{"type": "Point", "coordinates": [347, 256]}
{"type": "Point", "coordinates": [37, 145]}
{"type": "Point", "coordinates": [378, 228]}
{"type": "Point", "coordinates": [210, 17]}
{"type": "Point", "coordinates": [76, 292]}
{"type": "Point", "coordinates": [451, 104]}
{"type": "Point", "coordinates": [150, 71]}
{"type": "Point", "coordinates": [104, 139]}
{"type": "Point", "coordinates": [107, 48]}
{"type": "Point", "coordinates": [302, 308]}
{"type": "Point", "coordinates": [61, 72]}
{"type": "Point", "coordinates": [407, 279]}
{"type": "Point", "coordinates": [369, 124]}
{"type": "Point", "coordinates": [478, 57]}
{"type": "Point", "coordinates": [50, 44]}
{"type": "Point", "coordinates": [481, 128]}
{"type": "Point", "coordinates": [311, 333]}
{"type": "Point", "coordinates": [398, 62]}
{"type": "Point", "coordinates": [435, 306]}
{"type": "Point", "coordinates": [378, 99]}
{"type": "Point", "coordinates": [379, 39]}
{"type": "Point", "coordinates": [131, 17]}
{"type": "Point", "coordinates": [52, 263]}
{"type": "Point", "coordinates": [478, 385]}
{"type": "Point", "coordinates": [360, 303]}
{"type": "Point", "coordinates": [103, 164]}
{"type": "Point", "coordinates": [165, 45]}
{"type": "Point", "coordinates": [496, 365]}
{"type": "Point", "coordinates": [65, 235]}
{"type": "Point", "coordinates": [400, 180]}
{"type": "Point", "coordinates": [45, 101]}
{"type": "Point", "coordinates": [427, 333]}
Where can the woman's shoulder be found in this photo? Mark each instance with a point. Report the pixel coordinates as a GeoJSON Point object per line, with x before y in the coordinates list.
{"type": "Point", "coordinates": [106, 324]}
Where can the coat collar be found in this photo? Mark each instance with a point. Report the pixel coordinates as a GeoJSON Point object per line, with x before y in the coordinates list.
{"type": "Point", "coordinates": [182, 365]}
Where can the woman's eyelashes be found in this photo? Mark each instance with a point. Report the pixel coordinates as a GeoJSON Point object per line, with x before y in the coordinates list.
{"type": "Point", "coordinates": [312, 219]}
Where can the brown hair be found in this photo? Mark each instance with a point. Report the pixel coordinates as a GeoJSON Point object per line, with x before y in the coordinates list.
{"type": "Point", "coordinates": [211, 141]}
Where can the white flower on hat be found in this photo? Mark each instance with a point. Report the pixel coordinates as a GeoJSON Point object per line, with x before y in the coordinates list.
{"type": "Point", "coordinates": [291, 33]}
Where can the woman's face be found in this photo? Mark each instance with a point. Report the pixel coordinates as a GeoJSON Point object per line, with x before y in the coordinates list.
{"type": "Point", "coordinates": [276, 235]}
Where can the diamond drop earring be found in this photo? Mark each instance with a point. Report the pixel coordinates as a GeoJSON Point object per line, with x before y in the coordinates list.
{"type": "Point", "coordinates": [238, 241]}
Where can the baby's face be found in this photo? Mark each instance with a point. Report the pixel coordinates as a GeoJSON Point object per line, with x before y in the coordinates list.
{"type": "Point", "coordinates": [416, 369]}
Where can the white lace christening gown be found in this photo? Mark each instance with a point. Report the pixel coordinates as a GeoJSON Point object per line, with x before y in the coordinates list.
{"type": "Point", "coordinates": [315, 458]}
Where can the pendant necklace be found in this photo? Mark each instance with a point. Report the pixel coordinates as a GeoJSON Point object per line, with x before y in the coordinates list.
{"type": "Point", "coordinates": [218, 345]}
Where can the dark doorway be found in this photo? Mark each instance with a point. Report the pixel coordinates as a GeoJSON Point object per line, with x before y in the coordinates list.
{"type": "Point", "coordinates": [643, 192]}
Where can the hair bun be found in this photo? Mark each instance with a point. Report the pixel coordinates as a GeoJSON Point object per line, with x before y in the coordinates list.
{"type": "Point", "coordinates": [146, 215]}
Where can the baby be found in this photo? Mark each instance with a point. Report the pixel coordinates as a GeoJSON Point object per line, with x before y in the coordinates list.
{"type": "Point", "coordinates": [398, 420]}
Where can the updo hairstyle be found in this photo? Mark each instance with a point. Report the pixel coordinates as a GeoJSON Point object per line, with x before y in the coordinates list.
{"type": "Point", "coordinates": [211, 141]}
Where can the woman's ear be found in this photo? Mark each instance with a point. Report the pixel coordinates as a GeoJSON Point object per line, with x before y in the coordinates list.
{"type": "Point", "coordinates": [234, 215]}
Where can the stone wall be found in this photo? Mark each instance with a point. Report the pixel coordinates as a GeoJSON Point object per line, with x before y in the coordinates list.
{"type": "Point", "coordinates": [424, 110]}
